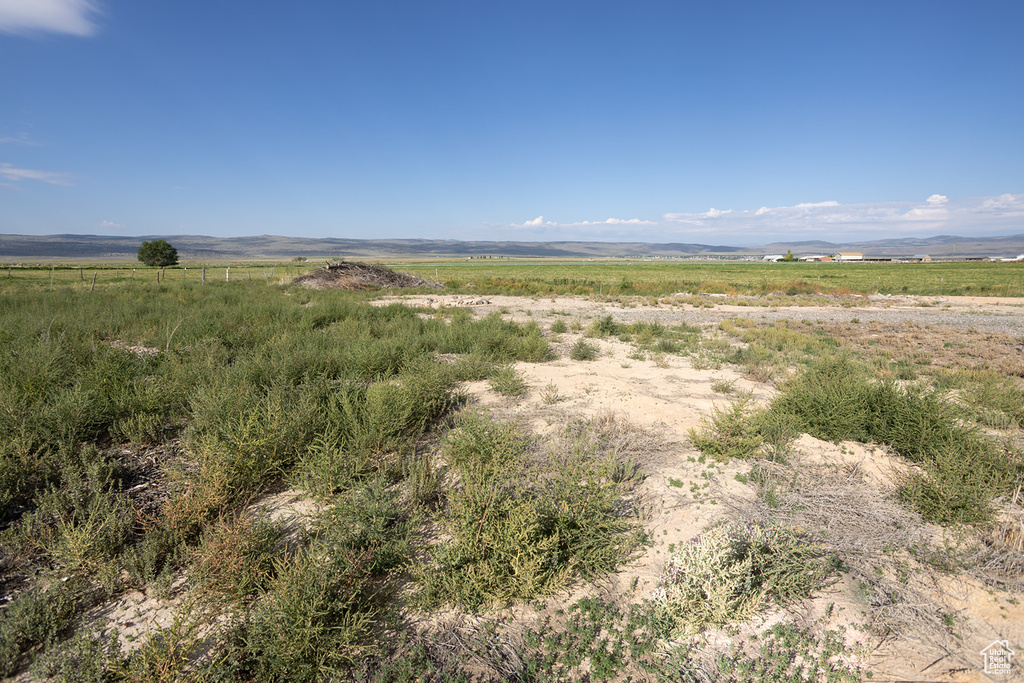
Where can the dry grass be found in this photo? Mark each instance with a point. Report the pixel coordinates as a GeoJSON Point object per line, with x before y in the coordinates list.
{"type": "Point", "coordinates": [875, 536]}
{"type": "Point", "coordinates": [1002, 548]}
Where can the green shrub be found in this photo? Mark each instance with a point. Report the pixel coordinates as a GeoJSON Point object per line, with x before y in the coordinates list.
{"type": "Point", "coordinates": [471, 367]}
{"type": "Point", "coordinates": [604, 327]}
{"type": "Point", "coordinates": [729, 432]}
{"type": "Point", "coordinates": [835, 399]}
{"type": "Point", "coordinates": [423, 479]}
{"type": "Point", "coordinates": [508, 382]}
{"type": "Point", "coordinates": [235, 560]}
{"type": "Point", "coordinates": [373, 517]}
{"type": "Point", "coordinates": [84, 521]}
{"type": "Point", "coordinates": [317, 619]}
{"type": "Point", "coordinates": [581, 350]}
{"type": "Point", "coordinates": [86, 657]}
{"type": "Point", "coordinates": [326, 468]}
{"type": "Point", "coordinates": [35, 617]}
{"type": "Point", "coordinates": [522, 526]}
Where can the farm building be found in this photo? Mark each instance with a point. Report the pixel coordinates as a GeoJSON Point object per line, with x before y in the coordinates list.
{"type": "Point", "coordinates": [920, 258]}
{"type": "Point", "coordinates": [849, 256]}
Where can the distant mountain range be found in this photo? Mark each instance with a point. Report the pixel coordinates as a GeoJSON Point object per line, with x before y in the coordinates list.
{"type": "Point", "coordinates": [198, 248]}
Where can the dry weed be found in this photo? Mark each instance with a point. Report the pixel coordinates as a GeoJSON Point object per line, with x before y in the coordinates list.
{"type": "Point", "coordinates": [878, 540]}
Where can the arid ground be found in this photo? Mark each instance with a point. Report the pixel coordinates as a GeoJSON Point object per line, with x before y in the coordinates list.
{"type": "Point", "coordinates": [953, 617]}
{"type": "Point", "coordinates": [914, 601]}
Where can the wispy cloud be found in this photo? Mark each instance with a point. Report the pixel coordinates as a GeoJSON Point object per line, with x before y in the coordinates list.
{"type": "Point", "coordinates": [539, 223]}
{"type": "Point", "coordinates": [110, 225]}
{"type": "Point", "coordinates": [9, 172]}
{"type": "Point", "coordinates": [827, 220]}
{"type": "Point", "coordinates": [19, 139]}
{"type": "Point", "coordinates": [615, 221]}
{"type": "Point", "coordinates": [1006, 204]}
{"type": "Point", "coordinates": [58, 16]}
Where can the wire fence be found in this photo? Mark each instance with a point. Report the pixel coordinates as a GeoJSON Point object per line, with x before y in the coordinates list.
{"type": "Point", "coordinates": [105, 275]}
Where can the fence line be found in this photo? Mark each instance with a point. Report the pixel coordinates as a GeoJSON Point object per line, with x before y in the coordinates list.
{"type": "Point", "coordinates": [52, 276]}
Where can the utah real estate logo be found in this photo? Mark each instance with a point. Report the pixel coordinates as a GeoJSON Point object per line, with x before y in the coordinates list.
{"type": "Point", "coordinates": [998, 658]}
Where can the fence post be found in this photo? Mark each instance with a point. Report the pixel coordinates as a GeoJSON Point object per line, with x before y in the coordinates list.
{"type": "Point", "coordinates": [93, 282]}
{"type": "Point", "coordinates": [204, 275]}
{"type": "Point", "coordinates": [133, 278]}
{"type": "Point", "coordinates": [117, 273]}
{"type": "Point", "coordinates": [227, 274]}
{"type": "Point", "coordinates": [81, 275]}
{"type": "Point", "coordinates": [184, 272]}
{"type": "Point", "coordinates": [51, 278]}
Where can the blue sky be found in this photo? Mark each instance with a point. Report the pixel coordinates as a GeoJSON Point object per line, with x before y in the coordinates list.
{"type": "Point", "coordinates": [709, 122]}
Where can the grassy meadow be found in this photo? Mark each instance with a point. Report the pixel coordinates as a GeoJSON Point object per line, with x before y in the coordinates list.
{"type": "Point", "coordinates": [536, 277]}
{"type": "Point", "coordinates": [141, 420]}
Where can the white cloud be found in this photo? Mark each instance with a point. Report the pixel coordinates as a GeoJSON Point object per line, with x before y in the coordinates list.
{"type": "Point", "coordinates": [615, 221]}
{"type": "Point", "coordinates": [58, 16]}
{"type": "Point", "coordinates": [816, 205]}
{"type": "Point", "coordinates": [1004, 203]}
{"type": "Point", "coordinates": [715, 213]}
{"type": "Point", "coordinates": [935, 209]}
{"type": "Point", "coordinates": [110, 225]}
{"type": "Point", "coordinates": [829, 221]}
{"type": "Point", "coordinates": [9, 172]}
{"type": "Point", "coordinates": [539, 222]}
{"type": "Point", "coordinates": [683, 218]}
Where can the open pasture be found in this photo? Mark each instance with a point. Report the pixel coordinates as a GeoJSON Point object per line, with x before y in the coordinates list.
{"type": "Point", "coordinates": [659, 278]}
{"type": "Point", "coordinates": [532, 277]}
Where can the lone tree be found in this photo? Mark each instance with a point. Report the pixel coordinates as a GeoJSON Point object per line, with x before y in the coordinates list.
{"type": "Point", "coordinates": [158, 253]}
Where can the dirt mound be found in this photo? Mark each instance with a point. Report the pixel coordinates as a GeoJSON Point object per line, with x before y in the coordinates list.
{"type": "Point", "coordinates": [355, 275]}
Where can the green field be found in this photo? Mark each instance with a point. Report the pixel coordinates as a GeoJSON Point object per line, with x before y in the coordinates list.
{"type": "Point", "coordinates": [611, 278]}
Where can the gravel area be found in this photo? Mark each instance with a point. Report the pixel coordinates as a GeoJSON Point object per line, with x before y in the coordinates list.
{"type": "Point", "coordinates": [984, 314]}
{"type": "Point", "coordinates": [987, 321]}
{"type": "Point", "coordinates": [1000, 316]}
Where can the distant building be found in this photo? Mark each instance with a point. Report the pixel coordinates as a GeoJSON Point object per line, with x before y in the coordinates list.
{"type": "Point", "coordinates": [920, 258]}
{"type": "Point", "coordinates": [773, 257]}
{"type": "Point", "coordinates": [816, 258]}
{"type": "Point", "coordinates": [849, 256]}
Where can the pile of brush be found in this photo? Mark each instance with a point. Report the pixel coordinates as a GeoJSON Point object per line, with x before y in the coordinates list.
{"type": "Point", "coordinates": [355, 275]}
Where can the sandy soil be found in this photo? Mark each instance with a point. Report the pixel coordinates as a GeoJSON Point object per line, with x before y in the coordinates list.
{"type": "Point", "coordinates": [670, 397]}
